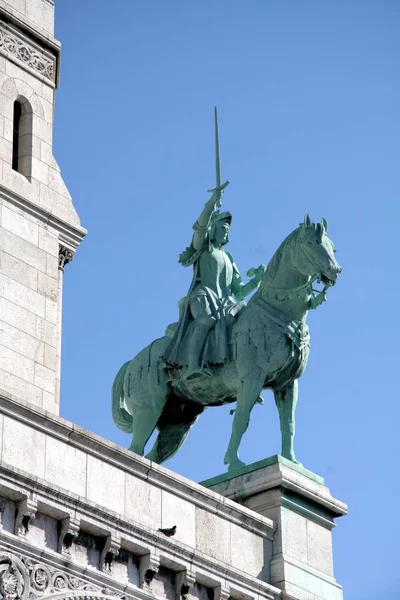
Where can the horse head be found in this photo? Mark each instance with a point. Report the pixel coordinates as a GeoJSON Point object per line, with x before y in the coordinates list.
{"type": "Point", "coordinates": [315, 252]}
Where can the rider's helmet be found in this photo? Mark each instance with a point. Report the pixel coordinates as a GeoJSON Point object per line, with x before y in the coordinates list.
{"type": "Point", "coordinates": [219, 216]}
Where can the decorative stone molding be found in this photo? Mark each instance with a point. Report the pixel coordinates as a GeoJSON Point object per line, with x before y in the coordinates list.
{"type": "Point", "coordinates": [114, 595]}
{"type": "Point", "coordinates": [184, 580]}
{"type": "Point", "coordinates": [26, 512]}
{"type": "Point", "coordinates": [69, 531]}
{"type": "Point", "coordinates": [86, 595]}
{"type": "Point", "coordinates": [23, 579]}
{"type": "Point", "coordinates": [44, 580]}
{"type": "Point", "coordinates": [2, 509]}
{"type": "Point", "coordinates": [149, 565]}
{"type": "Point", "coordinates": [14, 578]}
{"type": "Point", "coordinates": [18, 46]}
{"type": "Point", "coordinates": [110, 551]}
{"type": "Point", "coordinates": [221, 593]}
{"type": "Point", "coordinates": [65, 255]}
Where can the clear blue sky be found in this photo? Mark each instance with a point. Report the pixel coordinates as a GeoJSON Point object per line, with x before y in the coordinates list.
{"type": "Point", "coordinates": [309, 95]}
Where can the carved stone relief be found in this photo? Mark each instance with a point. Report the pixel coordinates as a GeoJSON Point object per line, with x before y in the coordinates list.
{"type": "Point", "coordinates": [65, 255]}
{"type": "Point", "coordinates": [69, 530]}
{"type": "Point", "coordinates": [25, 579]}
{"type": "Point", "coordinates": [14, 578]}
{"type": "Point", "coordinates": [149, 566]}
{"type": "Point", "coordinates": [16, 44]}
{"type": "Point", "coordinates": [26, 512]}
{"type": "Point", "coordinates": [110, 551]}
{"type": "Point", "coordinates": [183, 582]}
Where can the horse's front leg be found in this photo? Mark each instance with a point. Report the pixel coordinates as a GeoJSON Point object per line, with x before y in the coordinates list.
{"type": "Point", "coordinates": [248, 393]}
{"type": "Point", "coordinates": [286, 400]}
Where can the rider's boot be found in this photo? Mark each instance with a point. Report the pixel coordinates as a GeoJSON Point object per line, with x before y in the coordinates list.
{"type": "Point", "coordinates": [195, 369]}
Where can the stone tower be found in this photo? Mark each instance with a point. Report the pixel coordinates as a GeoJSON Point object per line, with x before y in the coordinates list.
{"type": "Point", "coordinates": [80, 517]}
{"type": "Point", "coordinates": [39, 226]}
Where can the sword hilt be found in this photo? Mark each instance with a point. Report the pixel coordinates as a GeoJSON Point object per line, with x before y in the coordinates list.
{"type": "Point", "coordinates": [219, 188]}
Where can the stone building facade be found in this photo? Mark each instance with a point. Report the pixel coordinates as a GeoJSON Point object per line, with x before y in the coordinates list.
{"type": "Point", "coordinates": [39, 227]}
{"type": "Point", "coordinates": [80, 516]}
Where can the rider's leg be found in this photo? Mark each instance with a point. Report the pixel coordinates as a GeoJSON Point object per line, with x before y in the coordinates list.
{"type": "Point", "coordinates": [203, 322]}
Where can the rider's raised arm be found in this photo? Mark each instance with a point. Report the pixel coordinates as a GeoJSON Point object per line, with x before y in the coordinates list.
{"type": "Point", "coordinates": [202, 224]}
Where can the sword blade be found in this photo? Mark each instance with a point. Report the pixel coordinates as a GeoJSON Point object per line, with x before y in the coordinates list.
{"type": "Point", "coordinates": [217, 163]}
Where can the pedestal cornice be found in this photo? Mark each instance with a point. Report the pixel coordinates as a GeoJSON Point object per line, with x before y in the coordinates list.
{"type": "Point", "coordinates": [277, 471]}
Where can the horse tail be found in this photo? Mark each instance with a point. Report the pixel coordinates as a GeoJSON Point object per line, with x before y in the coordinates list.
{"type": "Point", "coordinates": [122, 418]}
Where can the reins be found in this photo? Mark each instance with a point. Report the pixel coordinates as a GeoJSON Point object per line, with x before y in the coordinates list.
{"type": "Point", "coordinates": [286, 294]}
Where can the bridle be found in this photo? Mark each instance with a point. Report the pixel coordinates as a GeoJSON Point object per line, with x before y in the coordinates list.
{"type": "Point", "coordinates": [285, 293]}
{"type": "Point", "coordinates": [288, 294]}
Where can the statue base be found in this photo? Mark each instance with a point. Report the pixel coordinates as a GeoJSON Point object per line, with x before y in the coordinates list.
{"type": "Point", "coordinates": [303, 511]}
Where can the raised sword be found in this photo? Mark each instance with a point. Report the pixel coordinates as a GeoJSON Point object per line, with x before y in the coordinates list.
{"type": "Point", "coordinates": [218, 186]}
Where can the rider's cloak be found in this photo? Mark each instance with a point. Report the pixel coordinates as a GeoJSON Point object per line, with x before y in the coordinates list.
{"type": "Point", "coordinates": [216, 349]}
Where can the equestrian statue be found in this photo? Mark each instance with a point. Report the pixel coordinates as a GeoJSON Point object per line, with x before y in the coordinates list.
{"type": "Point", "coordinates": [223, 350]}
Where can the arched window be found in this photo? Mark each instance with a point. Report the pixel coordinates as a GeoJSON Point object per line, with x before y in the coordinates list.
{"type": "Point", "coordinates": [22, 138]}
{"type": "Point", "coordinates": [16, 128]}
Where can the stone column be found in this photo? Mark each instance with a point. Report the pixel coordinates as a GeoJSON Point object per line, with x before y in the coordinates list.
{"type": "Point", "coordinates": [303, 511]}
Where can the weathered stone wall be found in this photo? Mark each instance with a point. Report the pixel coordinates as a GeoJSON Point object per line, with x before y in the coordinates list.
{"type": "Point", "coordinates": [39, 14]}
{"type": "Point", "coordinates": [28, 307]}
{"type": "Point", "coordinates": [88, 507]}
{"type": "Point", "coordinates": [37, 217]}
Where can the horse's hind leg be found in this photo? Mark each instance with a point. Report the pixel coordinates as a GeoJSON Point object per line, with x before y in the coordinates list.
{"type": "Point", "coordinates": [168, 442]}
{"type": "Point", "coordinates": [173, 432]}
{"type": "Point", "coordinates": [286, 401]}
{"type": "Point", "coordinates": [145, 419]}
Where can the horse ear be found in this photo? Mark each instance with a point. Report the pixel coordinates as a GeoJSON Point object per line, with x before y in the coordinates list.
{"type": "Point", "coordinates": [307, 221]}
{"type": "Point", "coordinates": [324, 223]}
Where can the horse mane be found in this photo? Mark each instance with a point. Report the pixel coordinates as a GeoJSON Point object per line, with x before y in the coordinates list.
{"type": "Point", "coordinates": [276, 260]}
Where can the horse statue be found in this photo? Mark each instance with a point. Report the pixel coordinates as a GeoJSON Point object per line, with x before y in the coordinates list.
{"type": "Point", "coordinates": [269, 345]}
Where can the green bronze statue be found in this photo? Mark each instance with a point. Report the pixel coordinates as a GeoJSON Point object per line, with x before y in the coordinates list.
{"type": "Point", "coordinates": [222, 350]}
{"type": "Point", "coordinates": [214, 298]}
{"type": "Point", "coordinates": [216, 292]}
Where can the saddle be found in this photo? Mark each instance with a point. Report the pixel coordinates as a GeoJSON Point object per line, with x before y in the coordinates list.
{"type": "Point", "coordinates": [216, 347]}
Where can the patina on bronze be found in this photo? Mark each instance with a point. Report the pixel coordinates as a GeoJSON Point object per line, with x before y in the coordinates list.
{"type": "Point", "coordinates": [222, 350]}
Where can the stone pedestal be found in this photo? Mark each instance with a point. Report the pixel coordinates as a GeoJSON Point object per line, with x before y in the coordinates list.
{"type": "Point", "coordinates": [303, 511]}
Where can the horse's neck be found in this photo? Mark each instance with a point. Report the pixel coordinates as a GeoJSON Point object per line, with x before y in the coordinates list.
{"type": "Point", "coordinates": [285, 278]}
{"type": "Point", "coordinates": [287, 290]}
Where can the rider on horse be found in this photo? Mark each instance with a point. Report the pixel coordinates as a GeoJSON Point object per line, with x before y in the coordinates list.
{"type": "Point", "coordinates": [215, 294]}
